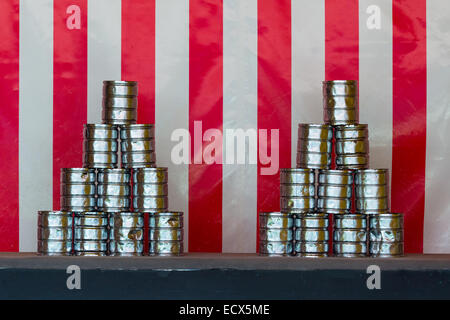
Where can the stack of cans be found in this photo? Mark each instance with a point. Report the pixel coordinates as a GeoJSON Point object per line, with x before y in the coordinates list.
{"type": "Point", "coordinates": [120, 102]}
{"type": "Point", "coordinates": [91, 234]}
{"type": "Point", "coordinates": [352, 146]}
{"type": "Point", "coordinates": [372, 191]}
{"type": "Point", "coordinates": [150, 192]}
{"type": "Point", "coordinates": [126, 234]}
{"type": "Point", "coordinates": [350, 235]}
{"type": "Point", "coordinates": [100, 146]}
{"type": "Point", "coordinates": [386, 235]}
{"type": "Point", "coordinates": [55, 233]}
{"type": "Point", "coordinates": [276, 234]}
{"type": "Point", "coordinates": [314, 146]}
{"type": "Point", "coordinates": [78, 189]}
{"type": "Point", "coordinates": [138, 145]}
{"type": "Point", "coordinates": [297, 190]}
{"type": "Point", "coordinates": [311, 235]}
{"type": "Point", "coordinates": [165, 233]}
{"type": "Point", "coordinates": [340, 102]}
{"type": "Point", "coordinates": [114, 190]}
{"type": "Point", "coordinates": [335, 191]}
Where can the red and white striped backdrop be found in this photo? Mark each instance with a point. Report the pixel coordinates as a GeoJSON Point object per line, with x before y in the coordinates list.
{"type": "Point", "coordinates": [231, 64]}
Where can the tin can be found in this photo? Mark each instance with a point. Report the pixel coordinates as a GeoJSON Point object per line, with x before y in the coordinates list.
{"type": "Point", "coordinates": [165, 234]}
{"type": "Point", "coordinates": [165, 248]}
{"type": "Point", "coordinates": [350, 249]}
{"type": "Point", "coordinates": [340, 102]}
{"type": "Point", "coordinates": [312, 220]}
{"type": "Point", "coordinates": [114, 190]}
{"type": "Point", "coordinates": [100, 146]}
{"type": "Point", "coordinates": [275, 220]}
{"type": "Point", "coordinates": [372, 191]}
{"type": "Point", "coordinates": [275, 248]}
{"type": "Point", "coordinates": [172, 219]}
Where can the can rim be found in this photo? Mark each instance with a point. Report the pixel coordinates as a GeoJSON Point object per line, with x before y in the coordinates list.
{"type": "Point", "coordinates": [120, 82]}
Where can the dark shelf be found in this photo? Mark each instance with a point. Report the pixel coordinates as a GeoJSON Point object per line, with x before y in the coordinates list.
{"type": "Point", "coordinates": [223, 276]}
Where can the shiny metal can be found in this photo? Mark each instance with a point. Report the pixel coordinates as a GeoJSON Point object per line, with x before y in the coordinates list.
{"type": "Point", "coordinates": [114, 203]}
{"type": "Point", "coordinates": [350, 221]}
{"type": "Point", "coordinates": [297, 204]}
{"type": "Point", "coordinates": [126, 220]}
{"type": "Point", "coordinates": [78, 176]}
{"type": "Point", "coordinates": [372, 177]}
{"type": "Point", "coordinates": [314, 146]}
{"type": "Point", "coordinates": [120, 88]}
{"type": "Point", "coordinates": [114, 190]}
{"type": "Point", "coordinates": [334, 191]}
{"type": "Point", "coordinates": [145, 159]}
{"type": "Point", "coordinates": [297, 190]}
{"type": "Point", "coordinates": [311, 249]}
{"type": "Point", "coordinates": [372, 205]}
{"type": "Point", "coordinates": [91, 233]}
{"type": "Point", "coordinates": [113, 114]}
{"type": "Point", "coordinates": [340, 102]}
{"type": "Point", "coordinates": [334, 205]}
{"type": "Point", "coordinates": [90, 219]}
{"type": "Point", "coordinates": [55, 233]}
{"type": "Point", "coordinates": [165, 248]}
{"type": "Point", "coordinates": [150, 175]}
{"type": "Point", "coordinates": [78, 203]}
{"type": "Point", "coordinates": [312, 220]}
{"type": "Point", "coordinates": [340, 116]}
{"type": "Point", "coordinates": [126, 248]}
{"type": "Point", "coordinates": [386, 221]}
{"type": "Point", "coordinates": [54, 247]}
{"type": "Point", "coordinates": [48, 219]}
{"type": "Point", "coordinates": [90, 247]}
{"type": "Point", "coordinates": [349, 235]}
{"type": "Point", "coordinates": [165, 234]}
{"type": "Point", "coordinates": [340, 88]}
{"type": "Point", "coordinates": [313, 160]}
{"type": "Point", "coordinates": [138, 145]}
{"type": "Point", "coordinates": [386, 235]}
{"type": "Point", "coordinates": [335, 177]}
{"type": "Point", "coordinates": [311, 234]}
{"type": "Point", "coordinates": [352, 146]}
{"type": "Point", "coordinates": [275, 220]}
{"type": "Point", "coordinates": [350, 249]}
{"type": "Point", "coordinates": [150, 189]}
{"type": "Point", "coordinates": [315, 131]}
{"type": "Point", "coordinates": [386, 249]}
{"type": "Point", "coordinates": [137, 131]}
{"type": "Point", "coordinates": [275, 248]}
{"type": "Point", "coordinates": [126, 234]}
{"type": "Point", "coordinates": [150, 203]}
{"type": "Point", "coordinates": [297, 176]}
{"type": "Point", "coordinates": [100, 146]}
{"type": "Point", "coordinates": [276, 234]}
{"type": "Point", "coordinates": [172, 219]}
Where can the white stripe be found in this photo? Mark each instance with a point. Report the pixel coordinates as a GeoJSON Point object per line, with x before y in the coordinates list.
{"type": "Point", "coordinates": [308, 64]}
{"type": "Point", "coordinates": [437, 210]}
{"type": "Point", "coordinates": [239, 211]}
{"type": "Point", "coordinates": [104, 51]}
{"type": "Point", "coordinates": [375, 81]}
{"type": "Point", "coordinates": [35, 116]}
{"type": "Point", "coordinates": [172, 96]}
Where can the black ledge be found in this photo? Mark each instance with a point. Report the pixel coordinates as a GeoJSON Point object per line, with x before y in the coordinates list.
{"type": "Point", "coordinates": [223, 276]}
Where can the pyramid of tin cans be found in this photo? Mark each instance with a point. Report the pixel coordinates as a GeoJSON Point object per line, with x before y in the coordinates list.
{"type": "Point", "coordinates": [103, 203]}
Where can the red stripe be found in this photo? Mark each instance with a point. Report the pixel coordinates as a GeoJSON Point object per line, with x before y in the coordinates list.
{"type": "Point", "coordinates": [69, 88]}
{"type": "Point", "coordinates": [409, 117]}
{"type": "Point", "coordinates": [9, 127]}
{"type": "Point", "coordinates": [205, 104]}
{"type": "Point", "coordinates": [341, 44]}
{"type": "Point", "coordinates": [274, 92]}
{"type": "Point", "coordinates": [341, 40]}
{"type": "Point", "coordinates": [138, 53]}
